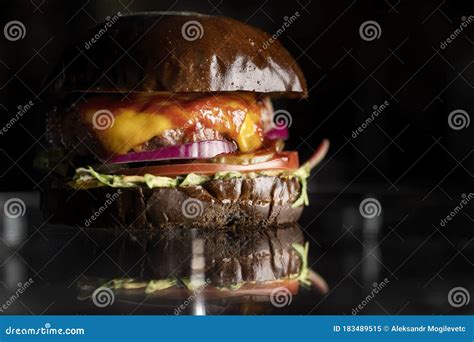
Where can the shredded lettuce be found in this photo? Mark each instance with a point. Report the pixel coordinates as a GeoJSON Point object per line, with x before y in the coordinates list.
{"type": "Point", "coordinates": [158, 285]}
{"type": "Point", "coordinates": [303, 251]}
{"type": "Point", "coordinates": [155, 285]}
{"type": "Point", "coordinates": [124, 283]}
{"type": "Point", "coordinates": [109, 180]}
{"type": "Point", "coordinates": [227, 175]}
{"type": "Point", "coordinates": [88, 177]}
{"type": "Point", "coordinates": [194, 179]}
{"type": "Point", "coordinates": [193, 285]}
{"type": "Point", "coordinates": [131, 284]}
{"type": "Point", "coordinates": [159, 181]}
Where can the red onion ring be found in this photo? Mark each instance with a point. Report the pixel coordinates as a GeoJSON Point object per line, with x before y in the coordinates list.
{"type": "Point", "coordinates": [195, 150]}
{"type": "Point", "coordinates": [277, 133]}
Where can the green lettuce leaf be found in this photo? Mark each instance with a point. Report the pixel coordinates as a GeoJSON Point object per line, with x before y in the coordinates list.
{"type": "Point", "coordinates": [302, 174]}
{"type": "Point", "coordinates": [303, 251]}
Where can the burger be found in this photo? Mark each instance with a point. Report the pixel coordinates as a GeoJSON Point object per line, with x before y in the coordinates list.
{"type": "Point", "coordinates": [166, 120]}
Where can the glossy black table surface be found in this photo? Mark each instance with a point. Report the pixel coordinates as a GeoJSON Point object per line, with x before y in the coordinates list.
{"type": "Point", "coordinates": [403, 258]}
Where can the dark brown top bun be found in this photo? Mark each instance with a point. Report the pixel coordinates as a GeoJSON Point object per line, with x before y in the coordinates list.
{"type": "Point", "coordinates": [177, 52]}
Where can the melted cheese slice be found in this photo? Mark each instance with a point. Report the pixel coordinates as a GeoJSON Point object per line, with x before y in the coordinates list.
{"type": "Point", "coordinates": [123, 125]}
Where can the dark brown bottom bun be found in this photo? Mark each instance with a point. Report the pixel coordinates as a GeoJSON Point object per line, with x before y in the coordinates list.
{"type": "Point", "coordinates": [259, 201]}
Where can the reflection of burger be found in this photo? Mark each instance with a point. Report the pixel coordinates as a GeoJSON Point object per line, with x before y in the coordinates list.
{"type": "Point", "coordinates": [241, 264]}
{"type": "Point", "coordinates": [167, 121]}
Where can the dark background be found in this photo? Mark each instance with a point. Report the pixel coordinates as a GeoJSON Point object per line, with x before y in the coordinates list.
{"type": "Point", "coordinates": [409, 144]}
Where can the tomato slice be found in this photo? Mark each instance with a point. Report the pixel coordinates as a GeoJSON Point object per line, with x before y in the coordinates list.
{"type": "Point", "coordinates": [281, 161]}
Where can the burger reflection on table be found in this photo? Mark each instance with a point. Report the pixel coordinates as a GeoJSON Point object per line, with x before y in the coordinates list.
{"type": "Point", "coordinates": [184, 268]}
